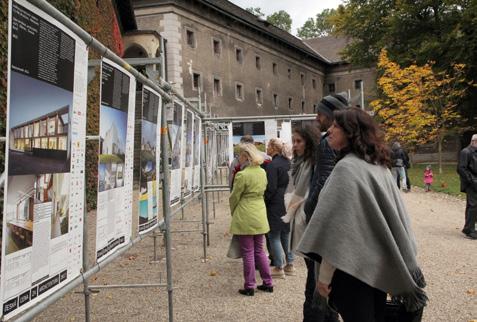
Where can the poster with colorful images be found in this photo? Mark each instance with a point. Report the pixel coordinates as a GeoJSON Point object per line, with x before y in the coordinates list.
{"type": "Point", "coordinates": [115, 177]}
{"type": "Point", "coordinates": [42, 222]}
{"type": "Point", "coordinates": [261, 132]}
{"type": "Point", "coordinates": [188, 155]}
{"type": "Point", "coordinates": [149, 160]}
{"type": "Point", "coordinates": [197, 155]}
{"type": "Point", "coordinates": [175, 121]}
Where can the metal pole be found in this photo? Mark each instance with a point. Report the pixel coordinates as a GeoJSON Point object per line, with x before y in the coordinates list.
{"type": "Point", "coordinates": [260, 118]}
{"type": "Point", "coordinates": [166, 209]}
{"type": "Point", "coordinates": [206, 143]}
{"type": "Point", "coordinates": [202, 192]}
{"type": "Point", "coordinates": [105, 52]}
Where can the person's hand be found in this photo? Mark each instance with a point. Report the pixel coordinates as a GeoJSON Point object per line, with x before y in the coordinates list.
{"type": "Point", "coordinates": [323, 289]}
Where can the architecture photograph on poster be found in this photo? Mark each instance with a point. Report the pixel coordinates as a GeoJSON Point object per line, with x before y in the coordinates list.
{"type": "Point", "coordinates": [254, 129]}
{"type": "Point", "coordinates": [116, 130]}
{"type": "Point", "coordinates": [39, 127]}
{"type": "Point", "coordinates": [112, 132]}
{"type": "Point", "coordinates": [46, 130]}
{"type": "Point", "coordinates": [148, 193]}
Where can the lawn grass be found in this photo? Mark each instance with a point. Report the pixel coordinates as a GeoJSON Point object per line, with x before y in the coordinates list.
{"type": "Point", "coordinates": [447, 182]}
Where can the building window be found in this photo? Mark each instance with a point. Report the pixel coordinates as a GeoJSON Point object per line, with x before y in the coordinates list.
{"type": "Point", "coordinates": [239, 55]}
{"type": "Point", "coordinates": [259, 96]}
{"type": "Point", "coordinates": [196, 81]}
{"type": "Point", "coordinates": [190, 38]}
{"type": "Point", "coordinates": [217, 46]}
{"type": "Point", "coordinates": [290, 103]}
{"type": "Point", "coordinates": [303, 106]}
{"type": "Point", "coordinates": [357, 84]}
{"type": "Point", "coordinates": [289, 73]}
{"type": "Point", "coordinates": [302, 78]}
{"type": "Point", "coordinates": [239, 91]}
{"type": "Point", "coordinates": [217, 87]}
{"type": "Point", "coordinates": [313, 83]}
{"type": "Point", "coordinates": [258, 63]}
{"type": "Point", "coordinates": [275, 101]}
{"type": "Point", "coordinates": [331, 87]}
{"type": "Point", "coordinates": [275, 68]}
{"type": "Point", "coordinates": [314, 108]}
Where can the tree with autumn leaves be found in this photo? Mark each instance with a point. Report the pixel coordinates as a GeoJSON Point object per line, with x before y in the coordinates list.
{"type": "Point", "coordinates": [418, 104]}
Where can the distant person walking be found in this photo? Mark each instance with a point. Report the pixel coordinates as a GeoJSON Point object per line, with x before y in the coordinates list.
{"type": "Point", "coordinates": [398, 158]}
{"type": "Point", "coordinates": [279, 235]}
{"type": "Point", "coordinates": [467, 169]}
{"type": "Point", "coordinates": [360, 231]}
{"type": "Point", "coordinates": [325, 162]}
{"type": "Point", "coordinates": [249, 218]}
{"type": "Point", "coordinates": [407, 166]}
{"type": "Point", "coordinates": [428, 178]}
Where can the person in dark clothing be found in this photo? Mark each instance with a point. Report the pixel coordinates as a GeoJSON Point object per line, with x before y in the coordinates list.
{"type": "Point", "coordinates": [467, 169]}
{"type": "Point", "coordinates": [407, 166]}
{"type": "Point", "coordinates": [326, 160]}
{"type": "Point", "coordinates": [279, 235]}
{"type": "Point", "coordinates": [398, 169]}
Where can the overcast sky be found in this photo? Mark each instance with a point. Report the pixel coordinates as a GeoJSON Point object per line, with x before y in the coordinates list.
{"type": "Point", "coordinates": [299, 10]}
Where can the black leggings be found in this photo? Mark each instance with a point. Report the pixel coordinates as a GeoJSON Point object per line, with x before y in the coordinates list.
{"type": "Point", "coordinates": [356, 301]}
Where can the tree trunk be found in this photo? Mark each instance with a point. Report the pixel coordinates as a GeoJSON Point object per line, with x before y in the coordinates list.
{"type": "Point", "coordinates": [440, 138]}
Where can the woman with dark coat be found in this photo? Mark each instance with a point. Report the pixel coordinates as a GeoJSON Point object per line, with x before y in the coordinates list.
{"type": "Point", "coordinates": [279, 235]}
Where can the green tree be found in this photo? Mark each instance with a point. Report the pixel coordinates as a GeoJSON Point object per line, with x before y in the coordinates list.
{"type": "Point", "coordinates": [321, 25]}
{"type": "Point", "coordinates": [280, 19]}
{"type": "Point", "coordinates": [255, 11]}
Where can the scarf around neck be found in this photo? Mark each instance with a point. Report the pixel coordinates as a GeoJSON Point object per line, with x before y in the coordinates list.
{"type": "Point", "coordinates": [361, 227]}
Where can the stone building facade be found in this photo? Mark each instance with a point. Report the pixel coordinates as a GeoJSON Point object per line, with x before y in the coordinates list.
{"type": "Point", "coordinates": [240, 64]}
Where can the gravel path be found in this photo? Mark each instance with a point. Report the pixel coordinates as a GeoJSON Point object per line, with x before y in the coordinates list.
{"type": "Point", "coordinates": [208, 291]}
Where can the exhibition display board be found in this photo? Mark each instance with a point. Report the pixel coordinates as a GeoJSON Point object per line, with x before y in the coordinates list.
{"type": "Point", "coordinates": [260, 131]}
{"type": "Point", "coordinates": [42, 233]}
{"type": "Point", "coordinates": [148, 203]}
{"type": "Point", "coordinates": [115, 166]}
{"type": "Point", "coordinates": [197, 155]}
{"type": "Point", "coordinates": [175, 121]}
{"type": "Point", "coordinates": [188, 153]}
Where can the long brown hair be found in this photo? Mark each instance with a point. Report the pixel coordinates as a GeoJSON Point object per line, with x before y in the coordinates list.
{"type": "Point", "coordinates": [365, 138]}
{"type": "Point", "coordinates": [311, 136]}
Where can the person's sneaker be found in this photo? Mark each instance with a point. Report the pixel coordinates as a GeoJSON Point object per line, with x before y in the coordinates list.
{"type": "Point", "coordinates": [472, 235]}
{"type": "Point", "coordinates": [278, 273]}
{"type": "Point", "coordinates": [265, 288]}
{"type": "Point", "coordinates": [289, 270]}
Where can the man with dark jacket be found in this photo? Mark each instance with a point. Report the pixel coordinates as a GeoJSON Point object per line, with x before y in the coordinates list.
{"type": "Point", "coordinates": [467, 169]}
{"type": "Point", "coordinates": [326, 159]}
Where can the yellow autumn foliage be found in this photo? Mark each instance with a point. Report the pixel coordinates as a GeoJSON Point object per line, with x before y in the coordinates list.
{"type": "Point", "coordinates": [417, 104]}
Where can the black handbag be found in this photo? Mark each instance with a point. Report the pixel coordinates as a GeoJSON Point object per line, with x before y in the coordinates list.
{"type": "Point", "coordinates": [395, 312]}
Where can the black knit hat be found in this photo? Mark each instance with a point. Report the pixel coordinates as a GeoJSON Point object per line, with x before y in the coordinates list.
{"type": "Point", "coordinates": [331, 103]}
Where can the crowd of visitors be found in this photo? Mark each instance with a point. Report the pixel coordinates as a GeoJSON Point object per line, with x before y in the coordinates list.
{"type": "Point", "coordinates": [335, 200]}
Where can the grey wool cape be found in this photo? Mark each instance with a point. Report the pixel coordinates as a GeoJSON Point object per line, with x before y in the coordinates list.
{"type": "Point", "coordinates": [361, 227]}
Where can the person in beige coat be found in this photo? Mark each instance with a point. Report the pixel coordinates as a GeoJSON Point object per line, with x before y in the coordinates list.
{"type": "Point", "coordinates": [249, 218]}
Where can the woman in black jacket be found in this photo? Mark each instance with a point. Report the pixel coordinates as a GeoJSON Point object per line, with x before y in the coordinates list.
{"type": "Point", "coordinates": [279, 235]}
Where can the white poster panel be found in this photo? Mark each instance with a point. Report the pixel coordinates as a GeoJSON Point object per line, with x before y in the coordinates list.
{"type": "Point", "coordinates": [197, 155]}
{"type": "Point", "coordinates": [42, 233]}
{"type": "Point", "coordinates": [115, 167]}
{"type": "Point", "coordinates": [189, 156]}
{"type": "Point", "coordinates": [271, 130]}
{"type": "Point", "coordinates": [286, 132]}
{"type": "Point", "coordinates": [231, 144]}
{"type": "Point", "coordinates": [149, 160]}
{"type": "Point", "coordinates": [175, 121]}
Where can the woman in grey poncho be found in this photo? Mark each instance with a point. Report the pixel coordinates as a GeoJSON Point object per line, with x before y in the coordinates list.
{"type": "Point", "coordinates": [360, 230]}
